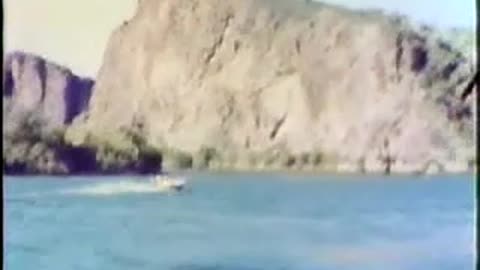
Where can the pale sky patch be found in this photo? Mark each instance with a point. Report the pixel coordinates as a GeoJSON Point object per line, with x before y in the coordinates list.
{"type": "Point", "coordinates": [73, 33]}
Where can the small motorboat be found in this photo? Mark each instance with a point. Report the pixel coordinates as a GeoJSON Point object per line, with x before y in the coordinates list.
{"type": "Point", "coordinates": [165, 182]}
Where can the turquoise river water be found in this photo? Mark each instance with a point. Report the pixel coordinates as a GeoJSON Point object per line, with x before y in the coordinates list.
{"type": "Point", "coordinates": [240, 222]}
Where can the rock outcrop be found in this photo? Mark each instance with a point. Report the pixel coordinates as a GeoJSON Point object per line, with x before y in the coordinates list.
{"type": "Point", "coordinates": [35, 86]}
{"type": "Point", "coordinates": [263, 84]}
{"type": "Point", "coordinates": [40, 100]}
{"type": "Point", "coordinates": [461, 39]}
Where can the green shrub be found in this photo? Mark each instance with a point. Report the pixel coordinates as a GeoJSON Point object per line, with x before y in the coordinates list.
{"type": "Point", "coordinates": [289, 161]}
{"type": "Point", "coordinates": [270, 159]}
{"type": "Point", "coordinates": [175, 159]}
{"type": "Point", "coordinates": [472, 163]}
{"type": "Point", "coordinates": [204, 157]}
{"type": "Point", "coordinates": [304, 159]}
{"type": "Point", "coordinates": [317, 158]}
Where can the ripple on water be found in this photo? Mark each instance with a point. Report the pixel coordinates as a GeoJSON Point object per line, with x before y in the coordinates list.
{"type": "Point", "coordinates": [237, 225]}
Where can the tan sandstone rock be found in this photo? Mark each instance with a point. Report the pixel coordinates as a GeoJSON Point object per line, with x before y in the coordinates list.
{"type": "Point", "coordinates": [249, 76]}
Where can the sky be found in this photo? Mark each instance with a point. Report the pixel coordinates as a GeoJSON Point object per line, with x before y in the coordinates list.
{"type": "Point", "coordinates": [74, 33]}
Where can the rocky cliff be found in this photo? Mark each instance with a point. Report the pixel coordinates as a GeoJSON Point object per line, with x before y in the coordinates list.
{"type": "Point", "coordinates": [35, 86]}
{"type": "Point", "coordinates": [40, 100]}
{"type": "Point", "coordinates": [286, 84]}
{"type": "Point", "coordinates": [281, 84]}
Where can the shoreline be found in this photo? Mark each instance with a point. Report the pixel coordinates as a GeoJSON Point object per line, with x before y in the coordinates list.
{"type": "Point", "coordinates": [299, 173]}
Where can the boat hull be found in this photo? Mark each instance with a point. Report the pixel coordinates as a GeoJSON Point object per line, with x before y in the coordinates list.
{"type": "Point", "coordinates": [164, 183]}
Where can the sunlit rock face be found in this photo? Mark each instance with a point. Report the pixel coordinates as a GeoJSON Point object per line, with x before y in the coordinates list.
{"type": "Point", "coordinates": [280, 84]}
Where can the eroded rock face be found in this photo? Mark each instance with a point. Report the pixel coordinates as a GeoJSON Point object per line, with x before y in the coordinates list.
{"type": "Point", "coordinates": [281, 84]}
{"type": "Point", "coordinates": [40, 99]}
{"type": "Point", "coordinates": [33, 85]}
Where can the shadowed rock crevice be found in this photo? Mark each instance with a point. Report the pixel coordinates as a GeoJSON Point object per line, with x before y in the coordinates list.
{"type": "Point", "coordinates": [278, 125]}
{"type": "Point", "coordinates": [449, 69]}
{"type": "Point", "coordinates": [419, 59]}
{"type": "Point", "coordinates": [471, 85]}
{"type": "Point", "coordinates": [60, 95]}
{"type": "Point", "coordinates": [399, 54]}
{"type": "Point", "coordinates": [42, 74]}
{"type": "Point", "coordinates": [218, 44]}
{"type": "Point", "coordinates": [77, 97]}
{"type": "Point", "coordinates": [9, 84]}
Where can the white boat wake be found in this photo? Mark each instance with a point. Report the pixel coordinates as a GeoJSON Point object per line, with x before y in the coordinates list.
{"type": "Point", "coordinates": [115, 188]}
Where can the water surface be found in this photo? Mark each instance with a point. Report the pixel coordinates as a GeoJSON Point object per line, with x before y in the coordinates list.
{"type": "Point", "coordinates": [241, 222]}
